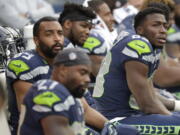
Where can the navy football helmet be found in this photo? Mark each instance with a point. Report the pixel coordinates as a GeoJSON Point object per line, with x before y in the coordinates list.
{"type": "Point", "coordinates": [11, 43]}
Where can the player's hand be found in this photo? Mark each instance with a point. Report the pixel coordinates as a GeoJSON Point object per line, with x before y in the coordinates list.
{"type": "Point", "coordinates": [110, 128]}
{"type": "Point", "coordinates": [115, 127]}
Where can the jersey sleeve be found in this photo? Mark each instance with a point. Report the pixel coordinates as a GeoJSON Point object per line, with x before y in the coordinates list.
{"type": "Point", "coordinates": [138, 49]}
{"type": "Point", "coordinates": [49, 99]}
{"type": "Point", "coordinates": [95, 45]}
{"type": "Point", "coordinates": [18, 66]}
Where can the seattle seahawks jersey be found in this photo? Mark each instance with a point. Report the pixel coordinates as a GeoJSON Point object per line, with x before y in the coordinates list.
{"type": "Point", "coordinates": [111, 89]}
{"type": "Point", "coordinates": [95, 45]}
{"type": "Point", "coordinates": [68, 44]}
{"type": "Point", "coordinates": [46, 98]}
{"type": "Point", "coordinates": [90, 100]}
{"type": "Point", "coordinates": [27, 66]}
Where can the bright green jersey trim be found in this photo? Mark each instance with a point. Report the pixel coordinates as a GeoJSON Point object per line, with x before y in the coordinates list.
{"type": "Point", "coordinates": [46, 98]}
{"type": "Point", "coordinates": [91, 42]}
{"type": "Point", "coordinates": [18, 66]}
{"type": "Point", "coordinates": [171, 30]}
{"type": "Point", "coordinates": [139, 46]}
{"type": "Point", "coordinates": [158, 130]}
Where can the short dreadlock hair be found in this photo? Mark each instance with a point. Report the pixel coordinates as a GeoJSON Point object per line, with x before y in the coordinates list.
{"type": "Point", "coordinates": [73, 11]}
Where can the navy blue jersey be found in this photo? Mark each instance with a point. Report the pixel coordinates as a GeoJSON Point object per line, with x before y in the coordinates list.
{"type": "Point", "coordinates": [68, 44]}
{"type": "Point", "coordinates": [27, 66]}
{"type": "Point", "coordinates": [90, 100]}
{"type": "Point", "coordinates": [111, 89]}
{"type": "Point", "coordinates": [94, 45]}
{"type": "Point", "coordinates": [45, 98]}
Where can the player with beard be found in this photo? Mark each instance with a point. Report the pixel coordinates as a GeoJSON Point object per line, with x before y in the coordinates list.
{"type": "Point", "coordinates": [76, 21]}
{"type": "Point", "coordinates": [52, 106]}
{"type": "Point", "coordinates": [33, 65]}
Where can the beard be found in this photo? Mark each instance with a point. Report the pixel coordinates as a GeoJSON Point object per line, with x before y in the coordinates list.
{"type": "Point", "coordinates": [48, 51]}
{"type": "Point", "coordinates": [74, 40]}
{"type": "Point", "coordinates": [157, 47]}
{"type": "Point", "coordinates": [77, 92]}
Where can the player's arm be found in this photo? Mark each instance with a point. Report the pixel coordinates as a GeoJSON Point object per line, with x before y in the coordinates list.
{"type": "Point", "coordinates": [142, 89]}
{"type": "Point", "coordinates": [97, 49]}
{"type": "Point", "coordinates": [56, 125]}
{"type": "Point", "coordinates": [21, 88]}
{"type": "Point", "coordinates": [15, 69]}
{"type": "Point", "coordinates": [167, 74]}
{"type": "Point", "coordinates": [96, 63]}
{"type": "Point", "coordinates": [93, 117]}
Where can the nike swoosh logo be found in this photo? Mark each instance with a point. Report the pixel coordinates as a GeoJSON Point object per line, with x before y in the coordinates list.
{"type": "Point", "coordinates": [91, 42]}
{"type": "Point", "coordinates": [17, 65]}
{"type": "Point", "coordinates": [140, 46]}
{"type": "Point", "coordinates": [47, 96]}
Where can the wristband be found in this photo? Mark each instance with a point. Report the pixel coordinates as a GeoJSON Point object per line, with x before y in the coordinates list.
{"type": "Point", "coordinates": [176, 105]}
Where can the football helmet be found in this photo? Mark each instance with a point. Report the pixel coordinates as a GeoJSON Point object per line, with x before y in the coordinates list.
{"type": "Point", "coordinates": [11, 43]}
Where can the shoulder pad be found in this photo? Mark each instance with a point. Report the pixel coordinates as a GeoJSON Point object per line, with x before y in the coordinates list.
{"type": "Point", "coordinates": [141, 47]}
{"type": "Point", "coordinates": [18, 66]}
{"type": "Point", "coordinates": [46, 98]}
{"type": "Point", "coordinates": [92, 42]}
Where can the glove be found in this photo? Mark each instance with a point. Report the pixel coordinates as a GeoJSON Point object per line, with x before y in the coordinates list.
{"type": "Point", "coordinates": [114, 127]}
{"type": "Point", "coordinates": [109, 129]}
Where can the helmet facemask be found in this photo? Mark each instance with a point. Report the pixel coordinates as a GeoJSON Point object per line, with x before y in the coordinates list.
{"type": "Point", "coordinates": [11, 43]}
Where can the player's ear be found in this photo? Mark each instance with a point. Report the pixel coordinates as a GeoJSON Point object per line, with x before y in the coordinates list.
{"type": "Point", "coordinates": [59, 73]}
{"type": "Point", "coordinates": [62, 70]}
{"type": "Point", "coordinates": [67, 24]}
{"type": "Point", "coordinates": [36, 40]}
{"type": "Point", "coordinates": [139, 30]}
